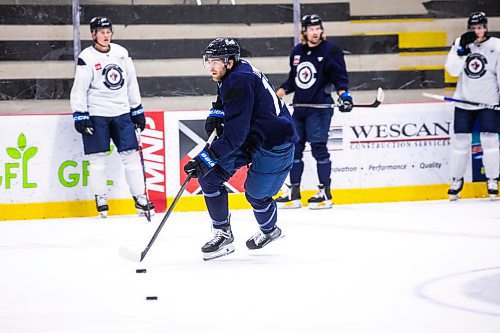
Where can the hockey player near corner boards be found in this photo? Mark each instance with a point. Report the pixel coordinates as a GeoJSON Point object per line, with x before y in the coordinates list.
{"type": "Point", "coordinates": [106, 104]}
{"type": "Point", "coordinates": [255, 129]}
{"type": "Point", "coordinates": [316, 67]}
{"type": "Point", "coordinates": [475, 59]}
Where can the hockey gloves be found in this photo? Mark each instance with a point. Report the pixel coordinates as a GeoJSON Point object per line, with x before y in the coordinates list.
{"type": "Point", "coordinates": [138, 118]}
{"type": "Point", "coordinates": [201, 164]}
{"type": "Point", "coordinates": [345, 102]}
{"type": "Point", "coordinates": [215, 120]}
{"type": "Point", "coordinates": [465, 40]}
{"type": "Point", "coordinates": [83, 124]}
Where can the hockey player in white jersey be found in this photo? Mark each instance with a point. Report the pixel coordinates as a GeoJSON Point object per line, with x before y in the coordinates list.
{"type": "Point", "coordinates": [475, 59]}
{"type": "Point", "coordinates": [106, 105]}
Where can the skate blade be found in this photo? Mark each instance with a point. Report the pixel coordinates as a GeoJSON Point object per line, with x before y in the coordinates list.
{"type": "Point", "coordinates": [454, 197]}
{"type": "Point", "coordinates": [271, 241]}
{"type": "Point", "coordinates": [103, 214]}
{"type": "Point", "coordinates": [224, 251]}
{"type": "Point", "coordinates": [493, 197]}
{"type": "Point", "coordinates": [289, 205]}
{"type": "Point", "coordinates": [320, 205]}
{"type": "Point", "coordinates": [143, 213]}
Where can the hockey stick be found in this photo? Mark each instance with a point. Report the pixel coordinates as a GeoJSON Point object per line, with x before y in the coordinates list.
{"type": "Point", "coordinates": [379, 99]}
{"type": "Point", "coordinates": [129, 254]}
{"type": "Point", "coordinates": [141, 154]}
{"type": "Point", "coordinates": [450, 99]}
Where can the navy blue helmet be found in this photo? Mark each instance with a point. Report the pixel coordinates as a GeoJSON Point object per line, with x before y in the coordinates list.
{"type": "Point", "coordinates": [477, 18]}
{"type": "Point", "coordinates": [100, 22]}
{"type": "Point", "coordinates": [309, 20]}
{"type": "Point", "coordinates": [224, 48]}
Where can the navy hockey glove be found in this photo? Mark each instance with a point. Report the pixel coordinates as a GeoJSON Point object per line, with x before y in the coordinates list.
{"type": "Point", "coordinates": [83, 124]}
{"type": "Point", "coordinates": [465, 40]}
{"type": "Point", "coordinates": [215, 121]}
{"type": "Point", "coordinates": [138, 118]}
{"type": "Point", "coordinates": [202, 164]}
{"type": "Point", "coordinates": [345, 102]}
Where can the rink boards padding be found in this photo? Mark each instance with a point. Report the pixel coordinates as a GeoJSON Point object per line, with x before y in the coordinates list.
{"type": "Point", "coordinates": [396, 152]}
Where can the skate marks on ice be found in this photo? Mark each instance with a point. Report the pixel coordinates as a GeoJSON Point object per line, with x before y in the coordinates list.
{"type": "Point", "coordinates": [476, 291]}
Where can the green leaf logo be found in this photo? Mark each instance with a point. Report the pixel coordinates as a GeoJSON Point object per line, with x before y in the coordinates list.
{"type": "Point", "coordinates": [30, 152]}
{"type": "Point", "coordinates": [14, 153]}
{"type": "Point", "coordinates": [21, 142]}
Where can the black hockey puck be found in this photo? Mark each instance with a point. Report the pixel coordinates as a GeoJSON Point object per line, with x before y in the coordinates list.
{"type": "Point", "coordinates": [151, 298]}
{"type": "Point", "coordinates": [142, 270]}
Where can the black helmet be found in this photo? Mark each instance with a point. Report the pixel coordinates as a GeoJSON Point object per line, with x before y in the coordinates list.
{"type": "Point", "coordinates": [223, 48]}
{"type": "Point", "coordinates": [477, 18]}
{"type": "Point", "coordinates": [100, 22]}
{"type": "Point", "coordinates": [309, 20]}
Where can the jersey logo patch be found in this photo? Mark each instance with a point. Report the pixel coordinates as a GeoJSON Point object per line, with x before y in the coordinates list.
{"type": "Point", "coordinates": [306, 75]}
{"type": "Point", "coordinates": [296, 60]}
{"type": "Point", "coordinates": [475, 66]}
{"type": "Point", "coordinates": [320, 59]}
{"type": "Point", "coordinates": [98, 67]}
{"type": "Point", "coordinates": [113, 77]}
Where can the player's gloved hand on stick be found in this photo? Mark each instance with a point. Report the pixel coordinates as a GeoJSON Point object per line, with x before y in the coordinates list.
{"type": "Point", "coordinates": [83, 124]}
{"type": "Point", "coordinates": [138, 118]}
{"type": "Point", "coordinates": [465, 40]}
{"type": "Point", "coordinates": [345, 102]}
{"type": "Point", "coordinates": [215, 120]}
{"type": "Point", "coordinates": [202, 164]}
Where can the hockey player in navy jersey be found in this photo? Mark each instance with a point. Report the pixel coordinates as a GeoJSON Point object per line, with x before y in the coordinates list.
{"type": "Point", "coordinates": [475, 59]}
{"type": "Point", "coordinates": [256, 130]}
{"type": "Point", "coordinates": [317, 68]}
{"type": "Point", "coordinates": [106, 105]}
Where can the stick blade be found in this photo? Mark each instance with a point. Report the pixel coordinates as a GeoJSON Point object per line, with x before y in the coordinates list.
{"type": "Point", "coordinates": [434, 96]}
{"type": "Point", "coordinates": [129, 255]}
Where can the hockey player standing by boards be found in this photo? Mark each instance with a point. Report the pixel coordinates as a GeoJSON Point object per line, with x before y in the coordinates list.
{"type": "Point", "coordinates": [475, 59]}
{"type": "Point", "coordinates": [254, 128]}
{"type": "Point", "coordinates": [317, 66]}
{"type": "Point", "coordinates": [106, 105]}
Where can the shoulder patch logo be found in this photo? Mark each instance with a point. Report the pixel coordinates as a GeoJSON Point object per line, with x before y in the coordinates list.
{"type": "Point", "coordinates": [320, 59]}
{"type": "Point", "coordinates": [296, 60]}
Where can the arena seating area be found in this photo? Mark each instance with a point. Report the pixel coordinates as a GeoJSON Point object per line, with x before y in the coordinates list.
{"type": "Point", "coordinates": [401, 48]}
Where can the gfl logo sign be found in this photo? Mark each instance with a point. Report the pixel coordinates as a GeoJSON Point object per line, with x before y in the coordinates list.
{"type": "Point", "coordinates": [18, 167]}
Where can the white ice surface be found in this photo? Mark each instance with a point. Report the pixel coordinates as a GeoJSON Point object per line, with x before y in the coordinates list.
{"type": "Point", "coordinates": [404, 267]}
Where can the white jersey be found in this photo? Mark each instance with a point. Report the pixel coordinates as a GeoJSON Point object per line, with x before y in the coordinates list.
{"type": "Point", "coordinates": [478, 73]}
{"type": "Point", "coordinates": [105, 83]}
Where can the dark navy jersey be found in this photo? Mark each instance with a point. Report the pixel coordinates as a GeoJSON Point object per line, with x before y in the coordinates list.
{"type": "Point", "coordinates": [315, 72]}
{"type": "Point", "coordinates": [253, 115]}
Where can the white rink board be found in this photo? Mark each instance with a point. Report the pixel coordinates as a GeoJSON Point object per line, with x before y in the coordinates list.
{"type": "Point", "coordinates": [57, 170]}
{"type": "Point", "coordinates": [392, 145]}
{"type": "Point", "coordinates": [53, 142]}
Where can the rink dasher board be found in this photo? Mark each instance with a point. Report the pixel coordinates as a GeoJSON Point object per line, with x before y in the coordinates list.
{"type": "Point", "coordinates": [43, 172]}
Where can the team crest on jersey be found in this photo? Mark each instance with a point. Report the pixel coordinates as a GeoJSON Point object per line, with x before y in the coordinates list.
{"type": "Point", "coordinates": [475, 66]}
{"type": "Point", "coordinates": [113, 77]}
{"type": "Point", "coordinates": [296, 60]}
{"type": "Point", "coordinates": [306, 75]}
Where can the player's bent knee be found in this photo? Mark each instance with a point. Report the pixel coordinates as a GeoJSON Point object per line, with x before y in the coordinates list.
{"type": "Point", "coordinates": [320, 151]}
{"type": "Point", "coordinates": [489, 141]}
{"type": "Point", "coordinates": [462, 141]}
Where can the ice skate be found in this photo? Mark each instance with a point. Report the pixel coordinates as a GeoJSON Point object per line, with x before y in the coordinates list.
{"type": "Point", "coordinates": [492, 184]}
{"type": "Point", "coordinates": [291, 199]}
{"type": "Point", "coordinates": [101, 204]}
{"type": "Point", "coordinates": [141, 204]}
{"type": "Point", "coordinates": [456, 188]}
{"type": "Point", "coordinates": [260, 239]}
{"type": "Point", "coordinates": [220, 245]}
{"type": "Point", "coordinates": [322, 199]}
